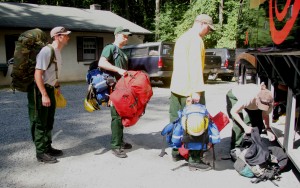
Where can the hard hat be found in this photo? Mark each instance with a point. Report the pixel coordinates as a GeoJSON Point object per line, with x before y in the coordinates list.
{"type": "Point", "coordinates": [94, 102]}
{"type": "Point", "coordinates": [91, 105]}
{"type": "Point", "coordinates": [196, 124]}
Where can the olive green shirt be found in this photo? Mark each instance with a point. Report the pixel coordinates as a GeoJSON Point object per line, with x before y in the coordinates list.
{"type": "Point", "coordinates": [116, 57]}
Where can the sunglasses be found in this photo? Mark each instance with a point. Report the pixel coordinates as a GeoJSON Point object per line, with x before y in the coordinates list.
{"type": "Point", "coordinates": [265, 103]}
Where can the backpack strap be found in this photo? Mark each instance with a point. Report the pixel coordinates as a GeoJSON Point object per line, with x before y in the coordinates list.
{"type": "Point", "coordinates": [52, 60]}
{"type": "Point", "coordinates": [116, 52]}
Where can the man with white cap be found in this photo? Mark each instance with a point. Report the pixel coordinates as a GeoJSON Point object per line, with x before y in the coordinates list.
{"type": "Point", "coordinates": [41, 99]}
{"type": "Point", "coordinates": [115, 62]}
{"type": "Point", "coordinates": [257, 101]}
{"type": "Point", "coordinates": [187, 78]}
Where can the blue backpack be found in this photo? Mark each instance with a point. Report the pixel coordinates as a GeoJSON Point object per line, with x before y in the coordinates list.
{"type": "Point", "coordinates": [98, 80]}
{"type": "Point", "coordinates": [174, 132]}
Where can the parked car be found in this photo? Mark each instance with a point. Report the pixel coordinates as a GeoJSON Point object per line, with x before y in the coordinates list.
{"type": "Point", "coordinates": [155, 58]}
{"type": "Point", "coordinates": [226, 71]}
{"type": "Point", "coordinates": [212, 65]}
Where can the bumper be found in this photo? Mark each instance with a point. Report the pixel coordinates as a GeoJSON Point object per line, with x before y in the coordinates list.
{"type": "Point", "coordinates": [160, 74]}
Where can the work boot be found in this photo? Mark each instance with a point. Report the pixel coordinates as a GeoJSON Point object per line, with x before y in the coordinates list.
{"type": "Point", "coordinates": [201, 166]}
{"type": "Point", "coordinates": [119, 153]}
{"type": "Point", "coordinates": [177, 157]}
{"type": "Point", "coordinates": [44, 157]}
{"type": "Point", "coordinates": [54, 152]}
{"type": "Point", "coordinates": [126, 145]}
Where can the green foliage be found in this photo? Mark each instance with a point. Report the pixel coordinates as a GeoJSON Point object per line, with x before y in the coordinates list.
{"type": "Point", "coordinates": [170, 15]}
{"type": "Point", "coordinates": [227, 32]}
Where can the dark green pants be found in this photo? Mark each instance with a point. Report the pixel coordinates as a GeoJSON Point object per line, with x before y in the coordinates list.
{"type": "Point", "coordinates": [178, 102]}
{"type": "Point", "coordinates": [253, 118]}
{"type": "Point", "coordinates": [116, 129]}
{"type": "Point", "coordinates": [41, 118]}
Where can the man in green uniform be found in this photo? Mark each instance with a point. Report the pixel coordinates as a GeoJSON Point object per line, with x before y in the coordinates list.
{"type": "Point", "coordinates": [115, 62]}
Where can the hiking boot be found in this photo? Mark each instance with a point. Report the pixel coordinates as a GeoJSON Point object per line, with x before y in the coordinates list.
{"type": "Point", "coordinates": [119, 153]}
{"type": "Point", "coordinates": [44, 157]}
{"type": "Point", "coordinates": [177, 157]}
{"type": "Point", "coordinates": [201, 166]}
{"type": "Point", "coordinates": [125, 145]}
{"type": "Point", "coordinates": [54, 152]}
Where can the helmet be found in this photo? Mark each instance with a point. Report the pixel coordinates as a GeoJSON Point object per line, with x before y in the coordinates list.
{"type": "Point", "coordinates": [195, 123]}
{"type": "Point", "coordinates": [91, 105]}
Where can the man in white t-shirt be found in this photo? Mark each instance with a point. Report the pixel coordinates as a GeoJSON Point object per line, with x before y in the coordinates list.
{"type": "Point", "coordinates": [257, 101]}
{"type": "Point", "coordinates": [41, 99]}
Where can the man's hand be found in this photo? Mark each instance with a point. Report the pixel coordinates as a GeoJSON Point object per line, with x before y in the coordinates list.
{"type": "Point", "coordinates": [46, 100]}
{"type": "Point", "coordinates": [195, 97]}
{"type": "Point", "coordinates": [271, 135]}
{"type": "Point", "coordinates": [122, 72]}
{"type": "Point", "coordinates": [188, 101]}
{"type": "Point", "coordinates": [248, 129]}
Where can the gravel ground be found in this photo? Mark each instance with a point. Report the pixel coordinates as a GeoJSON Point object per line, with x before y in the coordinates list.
{"type": "Point", "coordinates": [85, 139]}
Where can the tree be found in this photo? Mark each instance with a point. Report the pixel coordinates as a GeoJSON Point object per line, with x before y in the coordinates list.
{"type": "Point", "coordinates": [227, 33]}
{"type": "Point", "coordinates": [157, 2]}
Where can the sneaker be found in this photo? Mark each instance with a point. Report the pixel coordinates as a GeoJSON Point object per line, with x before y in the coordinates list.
{"type": "Point", "coordinates": [126, 145]}
{"type": "Point", "coordinates": [54, 152]}
{"type": "Point", "coordinates": [44, 157]}
{"type": "Point", "coordinates": [119, 153]}
{"type": "Point", "coordinates": [177, 157]}
{"type": "Point", "coordinates": [201, 166]}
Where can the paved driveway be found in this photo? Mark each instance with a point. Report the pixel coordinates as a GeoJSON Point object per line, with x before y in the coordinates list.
{"type": "Point", "coordinates": [88, 162]}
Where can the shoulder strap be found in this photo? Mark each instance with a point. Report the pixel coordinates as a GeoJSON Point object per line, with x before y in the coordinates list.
{"type": "Point", "coordinates": [52, 60]}
{"type": "Point", "coordinates": [116, 52]}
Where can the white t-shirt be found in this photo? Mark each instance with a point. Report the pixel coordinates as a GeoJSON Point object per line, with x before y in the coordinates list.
{"type": "Point", "coordinates": [42, 63]}
{"type": "Point", "coordinates": [246, 95]}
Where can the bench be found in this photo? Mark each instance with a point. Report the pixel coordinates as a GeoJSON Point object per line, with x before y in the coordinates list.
{"type": "Point", "coordinates": [4, 68]}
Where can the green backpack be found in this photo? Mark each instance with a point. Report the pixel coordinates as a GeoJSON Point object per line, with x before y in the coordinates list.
{"type": "Point", "coordinates": [27, 47]}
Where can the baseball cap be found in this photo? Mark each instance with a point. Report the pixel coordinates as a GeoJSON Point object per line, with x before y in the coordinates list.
{"type": "Point", "coordinates": [59, 31]}
{"type": "Point", "coordinates": [121, 30]}
{"type": "Point", "coordinates": [264, 99]}
{"type": "Point", "coordinates": [207, 19]}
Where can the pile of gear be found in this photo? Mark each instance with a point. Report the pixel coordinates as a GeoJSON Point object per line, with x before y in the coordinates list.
{"type": "Point", "coordinates": [129, 95]}
{"type": "Point", "coordinates": [255, 159]}
{"type": "Point", "coordinates": [100, 84]}
{"type": "Point", "coordinates": [193, 130]}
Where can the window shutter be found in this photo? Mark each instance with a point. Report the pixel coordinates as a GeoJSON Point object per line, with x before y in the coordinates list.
{"type": "Point", "coordinates": [79, 49]}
